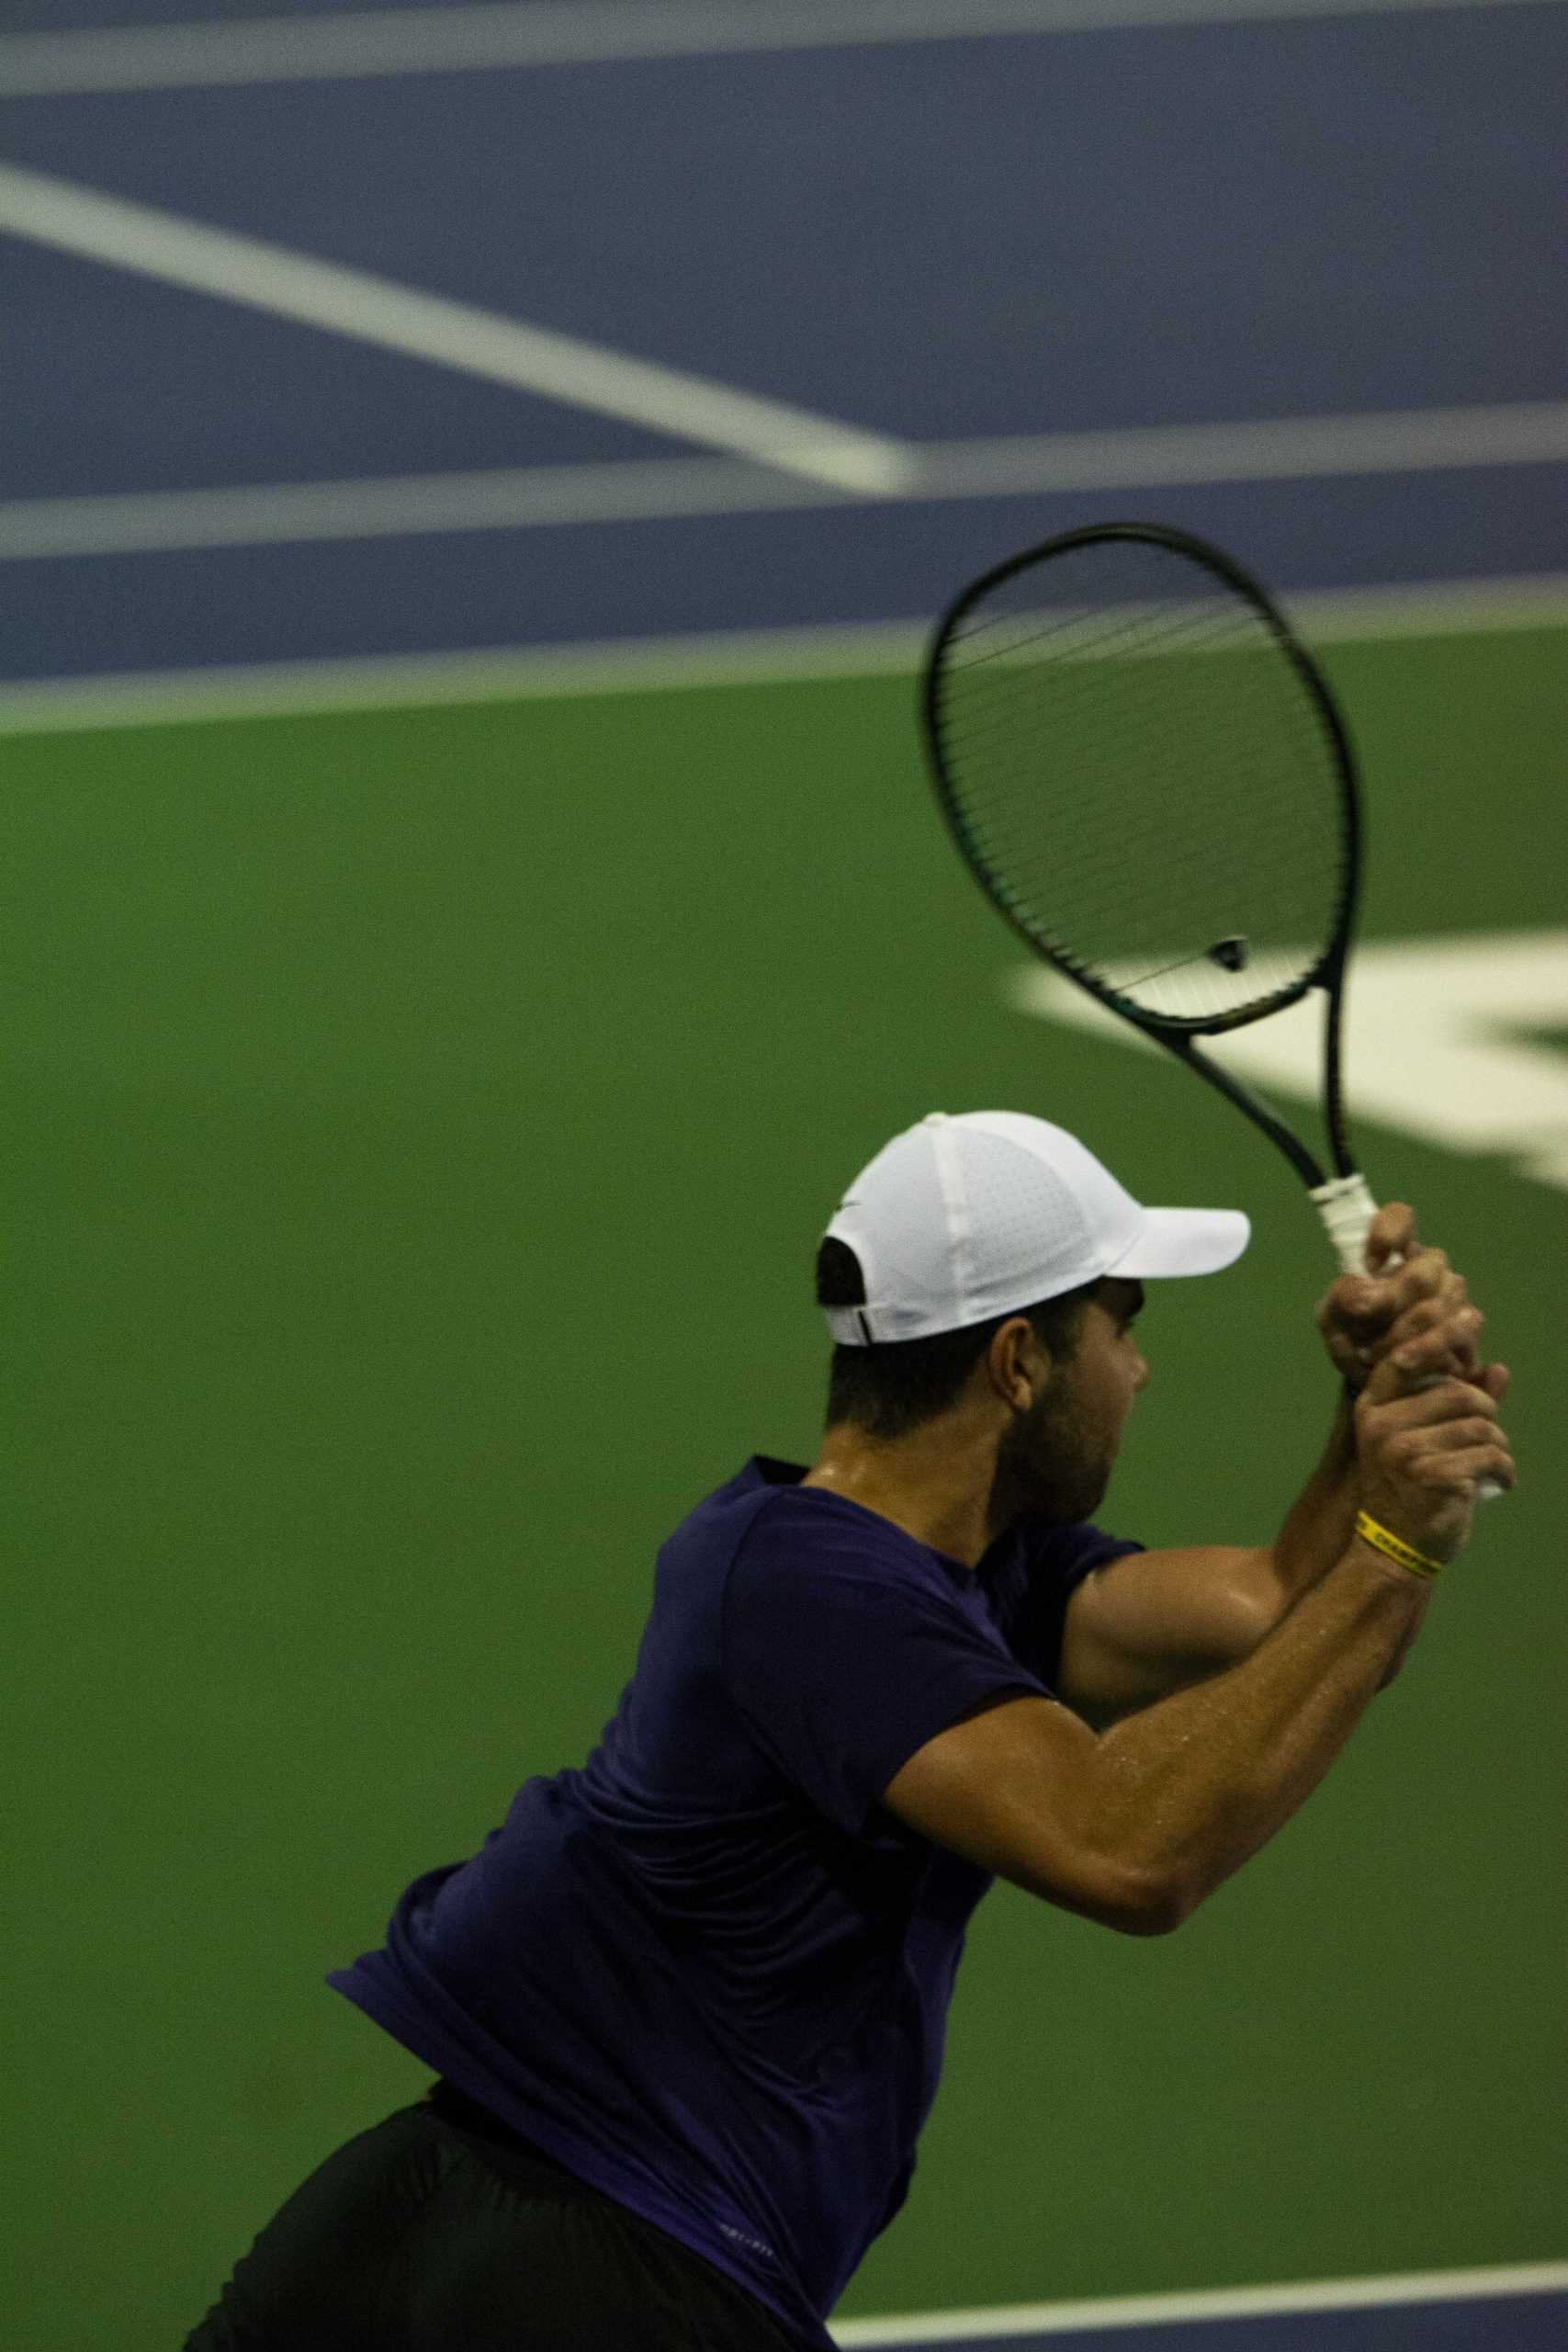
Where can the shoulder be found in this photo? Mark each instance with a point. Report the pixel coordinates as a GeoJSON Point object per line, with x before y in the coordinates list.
{"type": "Point", "coordinates": [720, 1522]}
{"type": "Point", "coordinates": [814, 1571]}
{"type": "Point", "coordinates": [804, 1531]}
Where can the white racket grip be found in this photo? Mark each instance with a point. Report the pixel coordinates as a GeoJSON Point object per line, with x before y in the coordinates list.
{"type": "Point", "coordinates": [1347, 1208]}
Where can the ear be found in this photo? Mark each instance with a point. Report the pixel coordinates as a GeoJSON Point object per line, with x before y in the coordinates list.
{"type": "Point", "coordinates": [1016, 1363]}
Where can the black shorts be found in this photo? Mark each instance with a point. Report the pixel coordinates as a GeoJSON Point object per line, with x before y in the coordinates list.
{"type": "Point", "coordinates": [438, 2231]}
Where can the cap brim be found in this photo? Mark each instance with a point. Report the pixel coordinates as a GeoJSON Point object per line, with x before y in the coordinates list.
{"type": "Point", "coordinates": [1183, 1241]}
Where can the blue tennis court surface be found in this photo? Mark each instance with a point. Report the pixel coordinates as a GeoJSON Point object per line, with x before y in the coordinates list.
{"type": "Point", "coordinates": [1522, 2310]}
{"type": "Point", "coordinates": [1028, 268]}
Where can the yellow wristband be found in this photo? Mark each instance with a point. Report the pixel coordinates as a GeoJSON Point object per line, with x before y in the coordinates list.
{"type": "Point", "coordinates": [1382, 1538]}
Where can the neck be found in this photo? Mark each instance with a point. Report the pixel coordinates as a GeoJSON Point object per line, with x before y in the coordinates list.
{"type": "Point", "coordinates": [935, 1484]}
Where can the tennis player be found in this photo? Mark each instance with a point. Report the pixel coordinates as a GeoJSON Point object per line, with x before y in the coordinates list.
{"type": "Point", "coordinates": [687, 2005]}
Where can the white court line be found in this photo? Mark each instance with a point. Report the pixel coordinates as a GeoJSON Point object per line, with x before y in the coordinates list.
{"type": "Point", "coordinates": [643, 490]}
{"type": "Point", "coordinates": [636, 665]}
{"type": "Point", "coordinates": [1273, 448]}
{"type": "Point", "coordinates": [458, 38]}
{"type": "Point", "coordinates": [500, 499]}
{"type": "Point", "coordinates": [1226, 2302]}
{"type": "Point", "coordinates": [500, 673]}
{"type": "Point", "coordinates": [265, 277]}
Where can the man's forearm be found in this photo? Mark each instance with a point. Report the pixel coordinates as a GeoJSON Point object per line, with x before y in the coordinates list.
{"type": "Point", "coordinates": [1322, 1520]}
{"type": "Point", "coordinates": [1194, 1785]}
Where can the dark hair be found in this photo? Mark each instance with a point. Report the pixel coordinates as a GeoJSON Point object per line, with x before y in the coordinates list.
{"type": "Point", "coordinates": [894, 1384]}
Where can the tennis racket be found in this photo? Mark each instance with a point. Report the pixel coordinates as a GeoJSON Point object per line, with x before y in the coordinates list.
{"type": "Point", "coordinates": [1147, 776]}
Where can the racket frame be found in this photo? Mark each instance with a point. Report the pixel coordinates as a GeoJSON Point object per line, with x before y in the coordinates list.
{"type": "Point", "coordinates": [1177, 1034]}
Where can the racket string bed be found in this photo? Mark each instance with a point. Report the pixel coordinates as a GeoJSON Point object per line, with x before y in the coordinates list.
{"type": "Point", "coordinates": [1137, 880]}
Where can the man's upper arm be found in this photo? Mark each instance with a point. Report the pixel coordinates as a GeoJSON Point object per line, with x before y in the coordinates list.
{"type": "Point", "coordinates": [1012, 1788]}
{"type": "Point", "coordinates": [1149, 1624]}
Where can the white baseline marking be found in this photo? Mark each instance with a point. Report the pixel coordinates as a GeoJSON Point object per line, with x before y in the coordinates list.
{"type": "Point", "coordinates": [452, 40]}
{"type": "Point", "coordinates": [1439, 1041]}
{"type": "Point", "coordinates": [1222, 2302]}
{"type": "Point", "coordinates": [265, 277]}
{"type": "Point", "coordinates": [634, 665]}
{"type": "Point", "coordinates": [637, 490]}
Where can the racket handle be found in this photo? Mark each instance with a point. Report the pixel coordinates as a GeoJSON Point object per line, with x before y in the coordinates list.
{"type": "Point", "coordinates": [1347, 1208]}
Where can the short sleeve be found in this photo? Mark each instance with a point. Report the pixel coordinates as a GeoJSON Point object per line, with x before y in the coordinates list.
{"type": "Point", "coordinates": [1048, 1561]}
{"type": "Point", "coordinates": [844, 1656]}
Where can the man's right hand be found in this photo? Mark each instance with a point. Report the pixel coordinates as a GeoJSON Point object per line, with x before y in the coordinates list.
{"type": "Point", "coordinates": [1424, 1444]}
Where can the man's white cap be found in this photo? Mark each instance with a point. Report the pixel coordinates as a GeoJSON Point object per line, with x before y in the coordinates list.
{"type": "Point", "coordinates": [959, 1219]}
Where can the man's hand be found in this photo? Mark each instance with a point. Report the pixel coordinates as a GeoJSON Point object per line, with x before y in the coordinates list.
{"type": "Point", "coordinates": [1410, 1297]}
{"type": "Point", "coordinates": [1426, 1440]}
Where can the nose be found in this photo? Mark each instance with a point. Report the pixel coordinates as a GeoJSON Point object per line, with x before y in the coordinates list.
{"type": "Point", "coordinates": [1140, 1377]}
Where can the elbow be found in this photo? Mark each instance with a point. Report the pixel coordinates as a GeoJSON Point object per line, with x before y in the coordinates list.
{"type": "Point", "coordinates": [1170, 1909]}
{"type": "Point", "coordinates": [1161, 1911]}
{"type": "Point", "coordinates": [1145, 1902]}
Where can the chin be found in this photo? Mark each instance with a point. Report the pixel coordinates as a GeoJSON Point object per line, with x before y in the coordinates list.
{"type": "Point", "coordinates": [1064, 1499]}
{"type": "Point", "coordinates": [1087, 1501]}
{"type": "Point", "coordinates": [1082, 1498]}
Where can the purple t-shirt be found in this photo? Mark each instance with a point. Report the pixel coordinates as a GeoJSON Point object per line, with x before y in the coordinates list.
{"type": "Point", "coordinates": [709, 1973]}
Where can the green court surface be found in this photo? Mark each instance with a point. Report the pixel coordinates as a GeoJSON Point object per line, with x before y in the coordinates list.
{"type": "Point", "coordinates": [420, 1124]}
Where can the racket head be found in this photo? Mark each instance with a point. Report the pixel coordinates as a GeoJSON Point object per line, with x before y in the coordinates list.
{"type": "Point", "coordinates": [1147, 774]}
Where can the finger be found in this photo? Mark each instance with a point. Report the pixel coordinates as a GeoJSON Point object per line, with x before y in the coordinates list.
{"type": "Point", "coordinates": [1431, 1340]}
{"type": "Point", "coordinates": [1443, 1396]}
{"type": "Point", "coordinates": [1465, 1466]}
{"type": "Point", "coordinates": [1428, 1274]}
{"type": "Point", "coordinates": [1452, 1436]}
{"type": "Point", "coordinates": [1412, 1397]}
{"type": "Point", "coordinates": [1451, 1298]}
{"type": "Point", "coordinates": [1355, 1303]}
{"type": "Point", "coordinates": [1392, 1234]}
{"type": "Point", "coordinates": [1446, 1347]}
{"type": "Point", "coordinates": [1494, 1378]}
{"type": "Point", "coordinates": [1439, 1329]}
{"type": "Point", "coordinates": [1366, 1308]}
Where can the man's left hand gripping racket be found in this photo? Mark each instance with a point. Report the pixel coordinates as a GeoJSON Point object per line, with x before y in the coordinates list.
{"type": "Point", "coordinates": [1146, 774]}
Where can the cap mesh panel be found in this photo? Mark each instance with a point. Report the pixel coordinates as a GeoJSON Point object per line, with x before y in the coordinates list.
{"type": "Point", "coordinates": [1025, 1213]}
